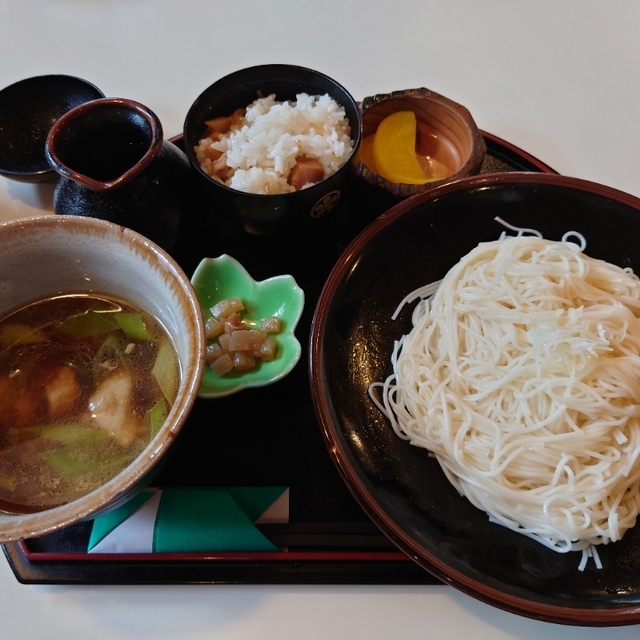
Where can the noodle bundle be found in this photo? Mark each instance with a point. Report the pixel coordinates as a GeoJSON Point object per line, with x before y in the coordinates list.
{"type": "Point", "coordinates": [521, 375]}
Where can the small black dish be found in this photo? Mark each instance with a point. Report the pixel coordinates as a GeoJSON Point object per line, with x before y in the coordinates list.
{"type": "Point", "coordinates": [271, 214]}
{"type": "Point", "coordinates": [400, 486]}
{"type": "Point", "coordinates": [28, 110]}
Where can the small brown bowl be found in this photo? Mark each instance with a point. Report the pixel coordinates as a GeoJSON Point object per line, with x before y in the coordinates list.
{"type": "Point", "coordinates": [447, 134]}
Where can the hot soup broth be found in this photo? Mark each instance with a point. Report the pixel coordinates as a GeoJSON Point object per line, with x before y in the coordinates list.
{"type": "Point", "coordinates": [85, 383]}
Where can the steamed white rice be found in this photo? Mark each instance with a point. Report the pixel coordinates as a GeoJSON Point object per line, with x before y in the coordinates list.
{"type": "Point", "coordinates": [262, 149]}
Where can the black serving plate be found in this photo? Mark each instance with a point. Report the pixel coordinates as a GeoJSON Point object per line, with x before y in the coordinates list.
{"type": "Point", "coordinates": [330, 537]}
{"type": "Point", "coordinates": [403, 488]}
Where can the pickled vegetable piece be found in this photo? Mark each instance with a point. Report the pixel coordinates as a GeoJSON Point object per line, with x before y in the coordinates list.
{"type": "Point", "coordinates": [394, 149]}
{"type": "Point", "coordinates": [268, 350]}
{"type": "Point", "coordinates": [226, 307]}
{"type": "Point", "coordinates": [213, 328]}
{"type": "Point", "coordinates": [213, 352]}
{"type": "Point", "coordinates": [272, 324]}
{"type": "Point", "coordinates": [238, 343]}
{"type": "Point", "coordinates": [233, 323]}
{"type": "Point", "coordinates": [243, 361]}
{"type": "Point", "coordinates": [224, 340]}
{"type": "Point", "coordinates": [222, 365]}
{"type": "Point", "coordinates": [247, 340]}
{"type": "Point", "coordinates": [365, 153]}
{"type": "Point", "coordinates": [240, 340]}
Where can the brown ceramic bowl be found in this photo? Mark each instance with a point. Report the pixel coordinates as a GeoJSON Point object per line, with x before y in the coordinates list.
{"type": "Point", "coordinates": [448, 137]}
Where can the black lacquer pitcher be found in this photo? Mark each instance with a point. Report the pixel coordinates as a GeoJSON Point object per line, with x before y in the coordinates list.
{"type": "Point", "coordinates": [114, 164]}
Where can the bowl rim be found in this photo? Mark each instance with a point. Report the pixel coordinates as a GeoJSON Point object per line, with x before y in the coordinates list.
{"type": "Point", "coordinates": [343, 459]}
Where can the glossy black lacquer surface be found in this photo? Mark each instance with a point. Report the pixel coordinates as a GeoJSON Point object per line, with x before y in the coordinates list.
{"type": "Point", "coordinates": [28, 110]}
{"type": "Point", "coordinates": [282, 444]}
{"type": "Point", "coordinates": [398, 485]}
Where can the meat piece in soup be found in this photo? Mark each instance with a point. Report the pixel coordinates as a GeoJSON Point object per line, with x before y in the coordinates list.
{"type": "Point", "coordinates": [85, 383]}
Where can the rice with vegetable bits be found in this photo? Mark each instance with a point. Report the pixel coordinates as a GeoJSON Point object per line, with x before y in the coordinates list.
{"type": "Point", "coordinates": [266, 145]}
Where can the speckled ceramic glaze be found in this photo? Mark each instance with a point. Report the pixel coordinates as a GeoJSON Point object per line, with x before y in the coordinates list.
{"type": "Point", "coordinates": [224, 277]}
{"type": "Point", "coordinates": [49, 255]}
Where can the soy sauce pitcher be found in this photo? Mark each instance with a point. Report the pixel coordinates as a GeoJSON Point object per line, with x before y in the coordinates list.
{"type": "Point", "coordinates": [114, 164]}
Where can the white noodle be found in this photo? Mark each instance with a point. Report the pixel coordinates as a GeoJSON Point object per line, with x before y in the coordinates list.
{"type": "Point", "coordinates": [521, 375]}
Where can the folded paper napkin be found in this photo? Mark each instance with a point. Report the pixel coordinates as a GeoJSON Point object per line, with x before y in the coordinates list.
{"type": "Point", "coordinates": [183, 520]}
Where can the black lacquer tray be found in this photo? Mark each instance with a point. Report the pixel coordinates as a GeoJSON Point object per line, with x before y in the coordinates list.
{"type": "Point", "coordinates": [329, 539]}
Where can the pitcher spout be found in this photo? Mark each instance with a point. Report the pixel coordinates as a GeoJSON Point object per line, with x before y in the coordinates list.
{"type": "Point", "coordinates": [105, 143]}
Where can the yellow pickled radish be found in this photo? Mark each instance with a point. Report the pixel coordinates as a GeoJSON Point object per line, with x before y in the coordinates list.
{"type": "Point", "coordinates": [394, 149]}
{"type": "Point", "coordinates": [365, 153]}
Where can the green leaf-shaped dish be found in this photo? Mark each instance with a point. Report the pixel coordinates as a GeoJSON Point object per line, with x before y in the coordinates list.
{"type": "Point", "coordinates": [224, 277]}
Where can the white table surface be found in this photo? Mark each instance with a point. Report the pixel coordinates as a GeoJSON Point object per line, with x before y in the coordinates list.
{"type": "Point", "coordinates": [558, 78]}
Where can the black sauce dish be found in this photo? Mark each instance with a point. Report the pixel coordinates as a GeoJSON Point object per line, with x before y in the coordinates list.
{"type": "Point", "coordinates": [28, 110]}
{"type": "Point", "coordinates": [401, 488]}
{"type": "Point", "coordinates": [291, 213]}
